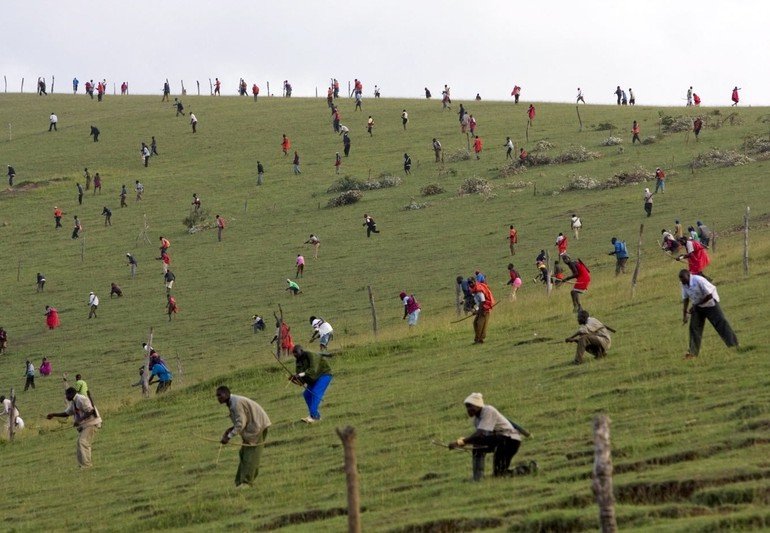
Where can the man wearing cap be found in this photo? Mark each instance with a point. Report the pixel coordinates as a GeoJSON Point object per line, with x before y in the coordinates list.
{"type": "Point", "coordinates": [251, 422]}
{"type": "Point", "coordinates": [322, 331]}
{"type": "Point", "coordinates": [314, 374]}
{"type": "Point", "coordinates": [131, 263]}
{"type": "Point", "coordinates": [494, 434]}
{"type": "Point", "coordinates": [93, 302]}
{"type": "Point", "coordinates": [703, 296]}
{"type": "Point", "coordinates": [592, 336]}
{"type": "Point", "coordinates": [411, 308]}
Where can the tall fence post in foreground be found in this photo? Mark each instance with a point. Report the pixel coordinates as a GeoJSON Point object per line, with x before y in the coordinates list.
{"type": "Point", "coordinates": [602, 481]}
{"type": "Point", "coordinates": [211, 88]}
{"type": "Point", "coordinates": [580, 121]}
{"type": "Point", "coordinates": [548, 283]}
{"type": "Point", "coordinates": [374, 311]}
{"type": "Point", "coordinates": [5, 83]}
{"type": "Point", "coordinates": [268, 89]}
{"type": "Point", "coordinates": [746, 242]}
{"type": "Point", "coordinates": [638, 261]}
{"type": "Point", "coordinates": [198, 83]}
{"type": "Point", "coordinates": [458, 299]}
{"type": "Point", "coordinates": [11, 417]}
{"type": "Point", "coordinates": [53, 81]}
{"type": "Point", "coordinates": [22, 85]}
{"type": "Point", "coordinates": [146, 373]}
{"type": "Point", "coordinates": [348, 438]}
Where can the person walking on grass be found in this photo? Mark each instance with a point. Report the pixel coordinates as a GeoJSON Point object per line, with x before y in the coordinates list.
{"type": "Point", "coordinates": [621, 255]}
{"type": "Point", "coordinates": [51, 317]}
{"type": "Point", "coordinates": [478, 145]}
{"type": "Point", "coordinates": [582, 277]}
{"type": "Point", "coordinates": [93, 305]}
{"type": "Point", "coordinates": [411, 308]}
{"type": "Point", "coordinates": [514, 281]}
{"type": "Point", "coordinates": [648, 201]}
{"type": "Point", "coordinates": [169, 278]}
{"type": "Point", "coordinates": [80, 193]}
{"type": "Point", "coordinates": [484, 301]}
{"type": "Point", "coordinates": [592, 336]}
{"type": "Point", "coordinates": [404, 118]}
{"type": "Point", "coordinates": [697, 125]}
{"type": "Point", "coordinates": [337, 163]}
{"type": "Point", "coordinates": [178, 107]}
{"type": "Point", "coordinates": [371, 225]}
{"type": "Point", "coordinates": [297, 170]}
{"type": "Point", "coordinates": [697, 256]}
{"type": "Point", "coordinates": [196, 202]}
{"type": "Point", "coordinates": [346, 143]}
{"type": "Point", "coordinates": [94, 133]}
{"type": "Point", "coordinates": [11, 175]}
{"type": "Point", "coordinates": [407, 164]}
{"type": "Point", "coordinates": [300, 266]}
{"type": "Point", "coordinates": [314, 374]}
{"type": "Point", "coordinates": [164, 377]}
{"type": "Point", "coordinates": [575, 224]}
{"type": "Point", "coordinates": [97, 184]}
{"type": "Point", "coordinates": [131, 262]}
{"type": "Point", "coordinates": [580, 96]}
{"type": "Point", "coordinates": [3, 341]}
{"type": "Point", "coordinates": [53, 120]}
{"type": "Point", "coordinates": [260, 173]}
{"type": "Point", "coordinates": [139, 190]}
{"type": "Point", "coordinates": [660, 180]}
{"type": "Point", "coordinates": [194, 122]}
{"type": "Point", "coordinates": [251, 422]}
{"type": "Point", "coordinates": [437, 149]}
{"type": "Point", "coordinates": [493, 434]}
{"type": "Point", "coordinates": [87, 421]}
{"type": "Point", "coordinates": [154, 147]}
{"type": "Point", "coordinates": [700, 302]}
{"type": "Point", "coordinates": [531, 114]}
{"type": "Point", "coordinates": [561, 244]}
{"type": "Point", "coordinates": [735, 97]}
{"type": "Point", "coordinates": [221, 225]}
{"type": "Point", "coordinates": [315, 243]}
{"type": "Point", "coordinates": [77, 228]}
{"type": "Point", "coordinates": [145, 152]}
{"type": "Point", "coordinates": [107, 214]}
{"type": "Point", "coordinates": [29, 374]}
{"type": "Point", "coordinates": [704, 233]}
{"type": "Point", "coordinates": [293, 287]}
{"type": "Point", "coordinates": [635, 130]}
{"type": "Point", "coordinates": [171, 307]}
{"type": "Point", "coordinates": [370, 126]}
{"type": "Point", "coordinates": [40, 282]}
{"type": "Point", "coordinates": [513, 239]}
{"type": "Point", "coordinates": [123, 196]}
{"type": "Point", "coordinates": [285, 144]}
{"type": "Point", "coordinates": [508, 148]}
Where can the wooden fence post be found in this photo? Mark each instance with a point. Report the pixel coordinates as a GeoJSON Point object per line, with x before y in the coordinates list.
{"type": "Point", "coordinates": [198, 83]}
{"type": "Point", "coordinates": [18, 271]}
{"type": "Point", "coordinates": [548, 284]}
{"type": "Point", "coordinates": [268, 89]}
{"type": "Point", "coordinates": [374, 311]}
{"type": "Point", "coordinates": [602, 478]}
{"type": "Point", "coordinates": [638, 261]}
{"type": "Point", "coordinates": [180, 374]}
{"type": "Point", "coordinates": [458, 299]}
{"type": "Point", "coordinates": [579, 119]}
{"type": "Point", "coordinates": [22, 85]}
{"type": "Point", "coordinates": [746, 242]}
{"type": "Point", "coordinates": [713, 241]}
{"type": "Point", "coordinates": [11, 417]}
{"type": "Point", "coordinates": [348, 438]}
{"type": "Point", "coordinates": [211, 88]}
{"type": "Point", "coordinates": [146, 373]}
{"type": "Point", "coordinates": [5, 83]}
{"type": "Point", "coordinates": [53, 81]}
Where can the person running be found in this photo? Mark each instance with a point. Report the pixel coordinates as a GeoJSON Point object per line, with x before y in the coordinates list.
{"type": "Point", "coordinates": [411, 308]}
{"type": "Point", "coordinates": [561, 244]}
{"type": "Point", "coordinates": [635, 130]}
{"type": "Point", "coordinates": [697, 256]}
{"type": "Point", "coordinates": [107, 214]}
{"type": "Point", "coordinates": [700, 302]}
{"type": "Point", "coordinates": [139, 190]}
{"type": "Point", "coordinates": [493, 434]}
{"type": "Point", "coordinates": [478, 145]}
{"type": "Point", "coordinates": [221, 225]}
{"type": "Point", "coordinates": [437, 149]}
{"type": "Point", "coordinates": [171, 307]}
{"type": "Point", "coordinates": [404, 118]}
{"type": "Point", "coordinates": [369, 125]}
{"type": "Point", "coordinates": [260, 173]}
{"type": "Point", "coordinates": [592, 336]}
{"type": "Point", "coordinates": [51, 317]}
{"type": "Point", "coordinates": [508, 148]}
{"type": "Point", "coordinates": [735, 97]}
{"type": "Point", "coordinates": [513, 239]}
{"type": "Point", "coordinates": [93, 305]}
{"type": "Point", "coordinates": [87, 421]}
{"type": "Point", "coordinates": [77, 228]}
{"type": "Point", "coordinates": [297, 170]}
{"type": "Point", "coordinates": [169, 278]}
{"type": "Point", "coordinates": [660, 180]}
{"type": "Point", "coordinates": [337, 162]}
{"type": "Point", "coordinates": [514, 281]}
{"type": "Point", "coordinates": [648, 201]}
{"type": "Point", "coordinates": [300, 266]}
{"type": "Point", "coordinates": [582, 277]}
{"type": "Point", "coordinates": [164, 377]}
{"type": "Point", "coordinates": [131, 263]}
{"type": "Point", "coordinates": [371, 225]}
{"type": "Point", "coordinates": [293, 287]}
{"type": "Point", "coordinates": [575, 224]}
{"type": "Point", "coordinates": [40, 282]}
{"type": "Point", "coordinates": [580, 96]}
{"type": "Point", "coordinates": [115, 290]}
{"type": "Point", "coordinates": [178, 107]}
{"type": "Point", "coordinates": [621, 255]}
{"type": "Point", "coordinates": [315, 243]}
{"type": "Point", "coordinates": [285, 144]}
{"type": "Point", "coordinates": [407, 164]}
{"type": "Point", "coordinates": [251, 422]}
{"type": "Point", "coordinates": [484, 301]}
{"type": "Point", "coordinates": [314, 374]}
{"type": "Point", "coordinates": [322, 331]}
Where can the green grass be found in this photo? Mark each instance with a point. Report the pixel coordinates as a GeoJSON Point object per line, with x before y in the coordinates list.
{"type": "Point", "coordinates": [690, 438]}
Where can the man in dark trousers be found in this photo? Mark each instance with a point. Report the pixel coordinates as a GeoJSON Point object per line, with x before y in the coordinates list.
{"type": "Point", "coordinates": [371, 225]}
{"type": "Point", "coordinates": [11, 175]}
{"type": "Point", "coordinates": [700, 302]}
{"type": "Point", "coordinates": [346, 143]}
{"type": "Point", "coordinates": [592, 336]}
{"type": "Point", "coordinates": [95, 133]}
{"type": "Point", "coordinates": [314, 374]}
{"type": "Point", "coordinates": [494, 434]}
{"type": "Point", "coordinates": [107, 214]}
{"type": "Point", "coordinates": [80, 193]}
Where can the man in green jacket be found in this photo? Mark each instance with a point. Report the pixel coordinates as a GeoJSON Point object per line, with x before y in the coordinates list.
{"type": "Point", "coordinates": [250, 422]}
{"type": "Point", "coordinates": [314, 374]}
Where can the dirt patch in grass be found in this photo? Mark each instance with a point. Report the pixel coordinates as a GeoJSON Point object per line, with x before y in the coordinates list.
{"type": "Point", "coordinates": [555, 523]}
{"type": "Point", "coordinates": [452, 525]}
{"type": "Point", "coordinates": [304, 517]}
{"type": "Point", "coordinates": [646, 493]}
{"type": "Point", "coordinates": [536, 340]}
{"type": "Point", "coordinates": [26, 186]}
{"type": "Point", "coordinates": [763, 425]}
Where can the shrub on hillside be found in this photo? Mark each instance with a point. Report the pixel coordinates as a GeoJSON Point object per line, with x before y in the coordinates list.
{"type": "Point", "coordinates": [196, 220]}
{"type": "Point", "coordinates": [605, 126]}
{"type": "Point", "coordinates": [461, 154]}
{"type": "Point", "coordinates": [756, 145]}
{"type": "Point", "coordinates": [537, 159]}
{"type": "Point", "coordinates": [636, 175]}
{"type": "Point", "coordinates": [611, 141]}
{"type": "Point", "coordinates": [720, 158]}
{"type": "Point", "coordinates": [348, 183]}
{"type": "Point", "coordinates": [518, 185]}
{"type": "Point", "coordinates": [650, 139]}
{"type": "Point", "coordinates": [677, 124]}
{"type": "Point", "coordinates": [476, 185]}
{"type": "Point", "coordinates": [346, 198]}
{"type": "Point", "coordinates": [581, 183]}
{"type": "Point", "coordinates": [576, 154]}
{"type": "Point", "coordinates": [543, 145]}
{"type": "Point", "coordinates": [432, 189]}
{"type": "Point", "coordinates": [512, 169]}
{"type": "Point", "coordinates": [414, 206]}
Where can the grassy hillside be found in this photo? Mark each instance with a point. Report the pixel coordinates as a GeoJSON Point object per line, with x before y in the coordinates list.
{"type": "Point", "coordinates": [690, 438]}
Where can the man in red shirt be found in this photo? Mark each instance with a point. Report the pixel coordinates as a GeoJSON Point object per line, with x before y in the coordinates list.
{"type": "Point", "coordinates": [255, 91]}
{"type": "Point", "coordinates": [513, 239]}
{"type": "Point", "coordinates": [484, 304]}
{"type": "Point", "coordinates": [531, 114]}
{"type": "Point", "coordinates": [582, 277]}
{"type": "Point", "coordinates": [478, 145]}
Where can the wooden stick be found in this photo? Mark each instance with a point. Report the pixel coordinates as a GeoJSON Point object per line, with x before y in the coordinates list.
{"type": "Point", "coordinates": [638, 261]}
{"type": "Point", "coordinates": [146, 374]}
{"type": "Point", "coordinates": [458, 299]}
{"type": "Point", "coordinates": [577, 108]}
{"type": "Point", "coordinates": [746, 242]}
{"type": "Point", "coordinates": [602, 478]}
{"type": "Point", "coordinates": [12, 417]}
{"type": "Point", "coordinates": [374, 311]}
{"type": "Point", "coordinates": [348, 438]}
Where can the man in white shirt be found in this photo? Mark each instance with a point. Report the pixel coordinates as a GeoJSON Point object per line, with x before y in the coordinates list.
{"type": "Point", "coordinates": [575, 223]}
{"type": "Point", "coordinates": [53, 119]}
{"type": "Point", "coordinates": [93, 302]}
{"type": "Point", "coordinates": [580, 96]}
{"type": "Point", "coordinates": [6, 411]}
{"type": "Point", "coordinates": [322, 330]}
{"type": "Point", "coordinates": [703, 296]}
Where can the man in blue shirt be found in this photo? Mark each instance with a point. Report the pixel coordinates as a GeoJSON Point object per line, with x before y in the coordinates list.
{"type": "Point", "coordinates": [621, 255]}
{"type": "Point", "coordinates": [164, 376]}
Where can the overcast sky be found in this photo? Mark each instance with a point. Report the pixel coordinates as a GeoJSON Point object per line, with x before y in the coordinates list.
{"type": "Point", "coordinates": [658, 48]}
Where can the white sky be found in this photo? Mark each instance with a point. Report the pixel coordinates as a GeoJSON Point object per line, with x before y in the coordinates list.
{"type": "Point", "coordinates": [659, 48]}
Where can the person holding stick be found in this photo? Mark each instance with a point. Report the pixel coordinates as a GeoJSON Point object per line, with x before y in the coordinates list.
{"type": "Point", "coordinates": [87, 421]}
{"type": "Point", "coordinates": [513, 239]}
{"type": "Point", "coordinates": [703, 296]}
{"type": "Point", "coordinates": [251, 422]}
{"type": "Point", "coordinates": [493, 433]}
{"type": "Point", "coordinates": [314, 374]}
{"type": "Point", "coordinates": [315, 243]}
{"type": "Point", "coordinates": [648, 201]}
{"type": "Point", "coordinates": [582, 277]}
{"type": "Point", "coordinates": [592, 336]}
{"type": "Point", "coordinates": [621, 255]}
{"type": "Point", "coordinates": [484, 302]}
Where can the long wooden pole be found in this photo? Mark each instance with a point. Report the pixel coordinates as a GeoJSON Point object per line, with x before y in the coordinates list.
{"type": "Point", "coordinates": [458, 299]}
{"type": "Point", "coordinates": [548, 284]}
{"type": "Point", "coordinates": [11, 416]}
{"type": "Point", "coordinates": [146, 373]}
{"type": "Point", "coordinates": [602, 479]}
{"type": "Point", "coordinates": [638, 261]}
{"type": "Point", "coordinates": [348, 438]}
{"type": "Point", "coordinates": [746, 242]}
{"type": "Point", "coordinates": [579, 119]}
{"type": "Point", "coordinates": [374, 311]}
